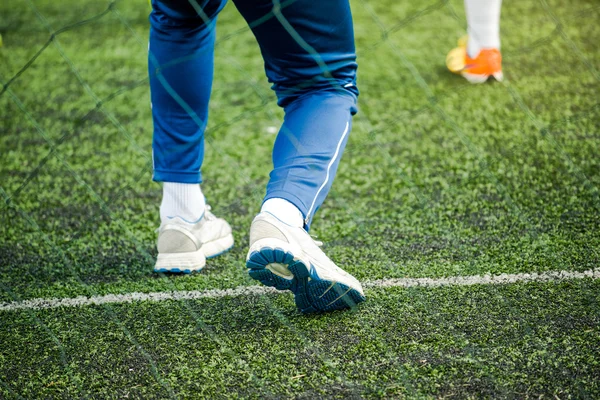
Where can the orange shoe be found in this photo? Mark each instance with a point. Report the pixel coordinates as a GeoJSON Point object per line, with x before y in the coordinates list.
{"type": "Point", "coordinates": [476, 70]}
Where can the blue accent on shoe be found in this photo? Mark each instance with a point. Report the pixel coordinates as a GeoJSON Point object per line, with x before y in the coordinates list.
{"type": "Point", "coordinates": [186, 221]}
{"type": "Point", "coordinates": [311, 293]}
{"type": "Point", "coordinates": [258, 261]}
{"type": "Point", "coordinates": [218, 254]}
{"type": "Point", "coordinates": [175, 271]}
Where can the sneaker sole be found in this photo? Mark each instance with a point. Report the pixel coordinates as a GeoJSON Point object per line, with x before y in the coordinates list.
{"type": "Point", "coordinates": [482, 78]}
{"type": "Point", "coordinates": [278, 268]}
{"type": "Point", "coordinates": [180, 263]}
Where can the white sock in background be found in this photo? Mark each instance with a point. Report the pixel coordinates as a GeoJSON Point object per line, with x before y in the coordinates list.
{"type": "Point", "coordinates": [182, 200]}
{"type": "Point", "coordinates": [284, 211]}
{"type": "Point", "coordinates": [483, 19]}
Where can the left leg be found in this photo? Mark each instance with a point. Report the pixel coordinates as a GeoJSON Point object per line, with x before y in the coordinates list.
{"type": "Point", "coordinates": [180, 65]}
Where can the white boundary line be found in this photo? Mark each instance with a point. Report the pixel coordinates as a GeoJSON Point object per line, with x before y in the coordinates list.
{"type": "Point", "coordinates": [80, 301]}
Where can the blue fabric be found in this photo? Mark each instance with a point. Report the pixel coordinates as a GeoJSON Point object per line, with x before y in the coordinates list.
{"type": "Point", "coordinates": [180, 65]}
{"type": "Point", "coordinates": [308, 49]}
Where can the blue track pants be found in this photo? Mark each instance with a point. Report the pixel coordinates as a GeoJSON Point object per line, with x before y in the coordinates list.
{"type": "Point", "coordinates": [309, 55]}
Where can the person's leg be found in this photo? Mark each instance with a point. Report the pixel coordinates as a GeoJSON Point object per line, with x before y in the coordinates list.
{"type": "Point", "coordinates": [308, 149]}
{"type": "Point", "coordinates": [309, 54]}
{"type": "Point", "coordinates": [478, 56]}
{"type": "Point", "coordinates": [483, 20]}
{"type": "Point", "coordinates": [308, 48]}
{"type": "Point", "coordinates": [180, 66]}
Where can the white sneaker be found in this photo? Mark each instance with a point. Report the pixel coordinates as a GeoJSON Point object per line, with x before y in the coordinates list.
{"type": "Point", "coordinates": [288, 258]}
{"type": "Point", "coordinates": [184, 247]}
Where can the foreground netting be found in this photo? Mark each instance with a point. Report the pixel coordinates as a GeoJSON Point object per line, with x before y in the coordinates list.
{"type": "Point", "coordinates": [112, 10]}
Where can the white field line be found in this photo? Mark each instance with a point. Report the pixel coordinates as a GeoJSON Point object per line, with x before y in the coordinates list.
{"type": "Point", "coordinates": [549, 276]}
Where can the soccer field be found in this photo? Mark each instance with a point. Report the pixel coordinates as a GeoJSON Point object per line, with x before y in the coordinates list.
{"type": "Point", "coordinates": [470, 213]}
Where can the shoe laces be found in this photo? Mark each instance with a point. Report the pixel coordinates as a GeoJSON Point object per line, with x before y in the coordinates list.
{"type": "Point", "coordinates": [207, 214]}
{"type": "Point", "coordinates": [317, 242]}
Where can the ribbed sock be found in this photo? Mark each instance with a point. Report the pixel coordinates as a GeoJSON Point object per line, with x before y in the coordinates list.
{"type": "Point", "coordinates": [182, 200]}
{"type": "Point", "coordinates": [284, 211]}
{"type": "Point", "coordinates": [483, 19]}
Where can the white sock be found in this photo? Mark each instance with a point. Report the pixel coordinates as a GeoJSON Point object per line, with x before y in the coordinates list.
{"type": "Point", "coordinates": [183, 200]}
{"type": "Point", "coordinates": [284, 211]}
{"type": "Point", "coordinates": [483, 20]}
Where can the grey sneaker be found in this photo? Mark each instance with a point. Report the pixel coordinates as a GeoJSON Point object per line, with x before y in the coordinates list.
{"type": "Point", "coordinates": [288, 258]}
{"type": "Point", "coordinates": [184, 247]}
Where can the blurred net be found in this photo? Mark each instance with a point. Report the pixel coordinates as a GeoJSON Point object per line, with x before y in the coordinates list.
{"type": "Point", "coordinates": [76, 126]}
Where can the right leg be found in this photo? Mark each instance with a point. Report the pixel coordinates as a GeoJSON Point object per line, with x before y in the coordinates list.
{"type": "Point", "coordinates": [310, 59]}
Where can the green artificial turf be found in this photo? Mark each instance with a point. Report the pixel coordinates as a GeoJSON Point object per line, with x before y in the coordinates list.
{"type": "Point", "coordinates": [440, 178]}
{"type": "Point", "coordinates": [525, 340]}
